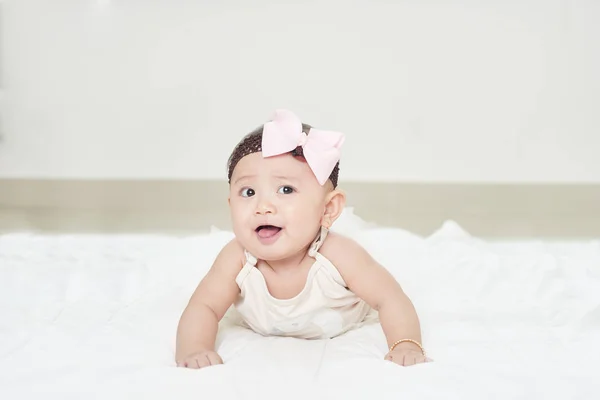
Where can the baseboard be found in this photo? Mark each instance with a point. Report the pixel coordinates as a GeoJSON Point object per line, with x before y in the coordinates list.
{"type": "Point", "coordinates": [186, 206]}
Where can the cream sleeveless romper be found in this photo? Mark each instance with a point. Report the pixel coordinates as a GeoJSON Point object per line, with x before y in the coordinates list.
{"type": "Point", "coordinates": [325, 308]}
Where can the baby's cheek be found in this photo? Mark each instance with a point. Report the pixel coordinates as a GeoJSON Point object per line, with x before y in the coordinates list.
{"type": "Point", "coordinates": [309, 218]}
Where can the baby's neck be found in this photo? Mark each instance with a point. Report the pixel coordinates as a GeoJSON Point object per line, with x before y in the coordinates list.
{"type": "Point", "coordinates": [291, 262]}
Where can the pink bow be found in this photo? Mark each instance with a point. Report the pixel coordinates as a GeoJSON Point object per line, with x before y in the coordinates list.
{"type": "Point", "coordinates": [321, 148]}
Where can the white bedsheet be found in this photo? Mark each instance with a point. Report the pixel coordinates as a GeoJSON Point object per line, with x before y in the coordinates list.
{"type": "Point", "coordinates": [94, 316]}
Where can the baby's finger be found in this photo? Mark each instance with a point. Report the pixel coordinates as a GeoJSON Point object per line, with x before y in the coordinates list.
{"type": "Point", "coordinates": [202, 361]}
{"type": "Point", "coordinates": [422, 360]}
{"type": "Point", "coordinates": [214, 359]}
{"type": "Point", "coordinates": [193, 362]}
{"type": "Point", "coordinates": [190, 363]}
{"type": "Point", "coordinates": [409, 360]}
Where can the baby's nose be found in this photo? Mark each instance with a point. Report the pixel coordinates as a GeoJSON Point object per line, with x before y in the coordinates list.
{"type": "Point", "coordinates": [265, 206]}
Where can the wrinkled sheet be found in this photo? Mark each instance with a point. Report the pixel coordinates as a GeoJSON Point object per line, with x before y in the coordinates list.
{"type": "Point", "coordinates": [95, 316]}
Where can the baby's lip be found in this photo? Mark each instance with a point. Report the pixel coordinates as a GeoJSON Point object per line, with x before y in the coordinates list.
{"type": "Point", "coordinates": [258, 228]}
{"type": "Point", "coordinates": [268, 233]}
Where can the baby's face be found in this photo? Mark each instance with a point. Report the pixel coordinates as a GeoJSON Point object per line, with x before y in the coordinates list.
{"type": "Point", "coordinates": [276, 205]}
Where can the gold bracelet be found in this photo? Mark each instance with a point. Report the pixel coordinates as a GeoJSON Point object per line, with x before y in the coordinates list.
{"type": "Point", "coordinates": [392, 347]}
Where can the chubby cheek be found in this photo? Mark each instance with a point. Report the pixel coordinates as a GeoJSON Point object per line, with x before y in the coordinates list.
{"type": "Point", "coordinates": [304, 220]}
{"type": "Point", "coordinates": [239, 218]}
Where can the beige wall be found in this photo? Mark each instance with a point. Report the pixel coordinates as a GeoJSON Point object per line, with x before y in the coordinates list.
{"type": "Point", "coordinates": [494, 211]}
{"type": "Point", "coordinates": [119, 115]}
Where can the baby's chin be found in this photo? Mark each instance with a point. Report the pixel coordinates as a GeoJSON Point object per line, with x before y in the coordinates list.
{"type": "Point", "coordinates": [270, 253]}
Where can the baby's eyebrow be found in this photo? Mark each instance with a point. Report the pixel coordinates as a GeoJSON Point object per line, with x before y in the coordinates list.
{"type": "Point", "coordinates": [243, 177]}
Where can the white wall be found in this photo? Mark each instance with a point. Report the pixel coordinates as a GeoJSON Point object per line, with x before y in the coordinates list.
{"type": "Point", "coordinates": [500, 91]}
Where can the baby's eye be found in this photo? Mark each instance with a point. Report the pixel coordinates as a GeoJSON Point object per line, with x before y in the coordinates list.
{"type": "Point", "coordinates": [247, 192]}
{"type": "Point", "coordinates": [286, 190]}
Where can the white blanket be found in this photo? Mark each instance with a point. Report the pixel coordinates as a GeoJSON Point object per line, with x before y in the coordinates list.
{"type": "Point", "coordinates": [94, 316]}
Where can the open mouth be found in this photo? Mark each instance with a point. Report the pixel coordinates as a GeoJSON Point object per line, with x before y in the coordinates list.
{"type": "Point", "coordinates": [267, 231]}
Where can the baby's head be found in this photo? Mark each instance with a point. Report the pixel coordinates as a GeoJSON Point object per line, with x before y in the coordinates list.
{"type": "Point", "coordinates": [283, 186]}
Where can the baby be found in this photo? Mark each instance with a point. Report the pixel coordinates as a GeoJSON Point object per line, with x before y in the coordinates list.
{"type": "Point", "coordinates": [284, 272]}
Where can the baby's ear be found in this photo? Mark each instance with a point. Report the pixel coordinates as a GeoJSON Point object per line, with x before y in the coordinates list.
{"type": "Point", "coordinates": [335, 201]}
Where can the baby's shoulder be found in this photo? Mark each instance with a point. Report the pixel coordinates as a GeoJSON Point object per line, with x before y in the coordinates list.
{"type": "Point", "coordinates": [335, 240]}
{"type": "Point", "coordinates": [231, 258]}
{"type": "Point", "coordinates": [344, 251]}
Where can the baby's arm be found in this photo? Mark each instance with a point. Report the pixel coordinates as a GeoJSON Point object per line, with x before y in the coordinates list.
{"type": "Point", "coordinates": [216, 292]}
{"type": "Point", "coordinates": [376, 286]}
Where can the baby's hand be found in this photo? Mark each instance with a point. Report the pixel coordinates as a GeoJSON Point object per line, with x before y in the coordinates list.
{"type": "Point", "coordinates": [200, 359]}
{"type": "Point", "coordinates": [406, 356]}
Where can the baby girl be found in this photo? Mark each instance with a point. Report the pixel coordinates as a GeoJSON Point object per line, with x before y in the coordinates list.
{"type": "Point", "coordinates": [284, 272]}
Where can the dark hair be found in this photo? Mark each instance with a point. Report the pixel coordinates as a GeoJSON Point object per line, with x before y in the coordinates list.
{"type": "Point", "coordinates": [252, 143]}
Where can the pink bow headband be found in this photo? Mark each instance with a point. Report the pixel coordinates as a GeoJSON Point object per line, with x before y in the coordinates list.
{"type": "Point", "coordinates": [321, 149]}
